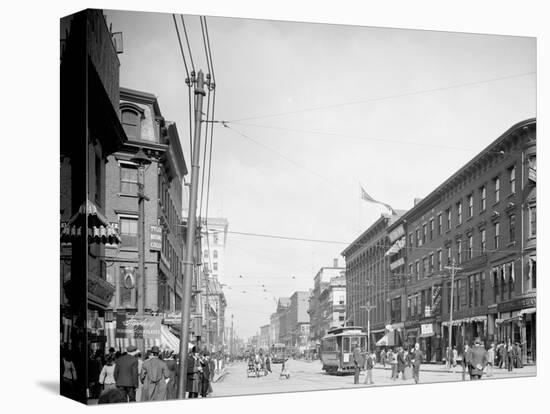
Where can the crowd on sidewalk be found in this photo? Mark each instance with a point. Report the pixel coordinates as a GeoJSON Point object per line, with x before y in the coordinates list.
{"type": "Point", "coordinates": [132, 376]}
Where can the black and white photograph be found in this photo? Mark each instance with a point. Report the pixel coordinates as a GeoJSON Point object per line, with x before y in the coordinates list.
{"type": "Point", "coordinates": [253, 206]}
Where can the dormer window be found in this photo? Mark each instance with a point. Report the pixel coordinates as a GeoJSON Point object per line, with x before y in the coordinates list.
{"type": "Point", "coordinates": [130, 118]}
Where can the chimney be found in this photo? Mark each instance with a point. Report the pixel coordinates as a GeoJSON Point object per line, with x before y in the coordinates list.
{"type": "Point", "coordinates": [335, 262]}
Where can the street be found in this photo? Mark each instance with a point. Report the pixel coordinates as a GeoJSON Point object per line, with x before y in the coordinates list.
{"type": "Point", "coordinates": [308, 376]}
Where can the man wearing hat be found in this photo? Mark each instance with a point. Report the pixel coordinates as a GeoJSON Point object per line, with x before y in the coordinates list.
{"type": "Point", "coordinates": [126, 373]}
{"type": "Point", "coordinates": [153, 375]}
{"type": "Point", "coordinates": [477, 359]}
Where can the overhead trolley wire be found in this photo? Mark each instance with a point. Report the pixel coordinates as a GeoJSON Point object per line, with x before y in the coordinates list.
{"type": "Point", "coordinates": [383, 98]}
{"type": "Point", "coordinates": [187, 41]}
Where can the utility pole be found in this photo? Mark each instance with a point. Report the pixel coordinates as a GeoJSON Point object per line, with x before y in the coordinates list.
{"type": "Point", "coordinates": [368, 308]}
{"type": "Point", "coordinates": [454, 270]}
{"type": "Point", "coordinates": [231, 339]}
{"type": "Point", "coordinates": [190, 239]}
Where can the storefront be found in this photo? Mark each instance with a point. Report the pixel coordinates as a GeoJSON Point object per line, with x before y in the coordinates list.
{"type": "Point", "coordinates": [518, 326]}
{"type": "Point", "coordinates": [465, 331]}
{"type": "Point", "coordinates": [430, 341]}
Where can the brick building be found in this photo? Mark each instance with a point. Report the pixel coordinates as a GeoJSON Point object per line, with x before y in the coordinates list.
{"type": "Point", "coordinates": [368, 275]}
{"type": "Point", "coordinates": [163, 185]}
{"type": "Point", "coordinates": [484, 219]}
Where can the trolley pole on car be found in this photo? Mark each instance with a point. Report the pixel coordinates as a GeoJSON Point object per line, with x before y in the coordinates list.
{"type": "Point", "coordinates": [190, 239]}
{"type": "Point", "coordinates": [454, 270]}
{"type": "Point", "coordinates": [368, 308]}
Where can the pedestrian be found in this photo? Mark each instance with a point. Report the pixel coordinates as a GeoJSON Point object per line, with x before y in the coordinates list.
{"type": "Point", "coordinates": [69, 377]}
{"type": "Point", "coordinates": [357, 363]}
{"type": "Point", "coordinates": [383, 358]}
{"type": "Point", "coordinates": [205, 375]}
{"type": "Point", "coordinates": [126, 373]}
{"type": "Point", "coordinates": [171, 376]}
{"type": "Point", "coordinates": [153, 377]}
{"type": "Point", "coordinates": [509, 355]}
{"type": "Point", "coordinates": [392, 358]}
{"type": "Point", "coordinates": [476, 359]}
{"type": "Point", "coordinates": [401, 363]}
{"type": "Point", "coordinates": [193, 373]}
{"type": "Point", "coordinates": [268, 362]}
{"type": "Point", "coordinates": [490, 360]}
{"type": "Point", "coordinates": [502, 355]}
{"type": "Point", "coordinates": [455, 358]}
{"type": "Point", "coordinates": [464, 361]}
{"type": "Point", "coordinates": [107, 374]}
{"type": "Point", "coordinates": [416, 360]}
{"type": "Point", "coordinates": [517, 356]}
{"type": "Point", "coordinates": [369, 365]}
{"type": "Point", "coordinates": [139, 388]}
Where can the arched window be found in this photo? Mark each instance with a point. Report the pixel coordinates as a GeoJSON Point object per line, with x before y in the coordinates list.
{"type": "Point", "coordinates": [130, 117]}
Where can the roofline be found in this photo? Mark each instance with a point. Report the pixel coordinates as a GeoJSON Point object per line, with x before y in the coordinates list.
{"type": "Point", "coordinates": [372, 227]}
{"type": "Point", "coordinates": [429, 198]}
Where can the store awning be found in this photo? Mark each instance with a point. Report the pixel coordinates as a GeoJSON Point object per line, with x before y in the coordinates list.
{"type": "Point", "coordinates": [528, 311]}
{"type": "Point", "coordinates": [386, 340]}
{"type": "Point", "coordinates": [426, 335]}
{"type": "Point", "coordinates": [99, 228]}
{"type": "Point", "coordinates": [457, 322]}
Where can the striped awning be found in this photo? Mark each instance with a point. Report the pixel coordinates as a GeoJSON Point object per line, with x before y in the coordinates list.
{"type": "Point", "coordinates": [99, 228]}
{"type": "Point", "coordinates": [167, 339]}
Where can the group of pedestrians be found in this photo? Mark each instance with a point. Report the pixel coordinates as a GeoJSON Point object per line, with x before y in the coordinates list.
{"type": "Point", "coordinates": [128, 377]}
{"type": "Point", "coordinates": [260, 362]}
{"type": "Point", "coordinates": [402, 361]}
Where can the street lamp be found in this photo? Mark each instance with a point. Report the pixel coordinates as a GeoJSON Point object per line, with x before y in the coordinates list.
{"type": "Point", "coordinates": [141, 159]}
{"type": "Point", "coordinates": [454, 270]}
{"type": "Point", "coordinates": [368, 308]}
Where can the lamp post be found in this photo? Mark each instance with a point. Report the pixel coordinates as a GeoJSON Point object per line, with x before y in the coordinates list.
{"type": "Point", "coordinates": [454, 270]}
{"type": "Point", "coordinates": [142, 160]}
{"type": "Point", "coordinates": [368, 307]}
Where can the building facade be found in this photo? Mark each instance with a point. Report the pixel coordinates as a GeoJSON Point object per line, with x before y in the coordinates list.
{"type": "Point", "coordinates": [284, 336]}
{"type": "Point", "coordinates": [368, 278]}
{"type": "Point", "coordinates": [482, 220]}
{"type": "Point", "coordinates": [298, 321]}
{"type": "Point", "coordinates": [326, 306]}
{"type": "Point", "coordinates": [90, 131]}
{"type": "Point", "coordinates": [163, 186]}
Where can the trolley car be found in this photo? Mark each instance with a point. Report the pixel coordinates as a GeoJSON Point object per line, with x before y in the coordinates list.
{"type": "Point", "coordinates": [337, 348]}
{"type": "Point", "coordinates": [279, 353]}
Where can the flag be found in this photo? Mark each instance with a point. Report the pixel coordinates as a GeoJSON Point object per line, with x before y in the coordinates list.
{"type": "Point", "coordinates": [365, 196]}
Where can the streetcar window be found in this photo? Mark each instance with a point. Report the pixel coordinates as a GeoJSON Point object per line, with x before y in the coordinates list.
{"type": "Point", "coordinates": [346, 348]}
{"type": "Point", "coordinates": [363, 341]}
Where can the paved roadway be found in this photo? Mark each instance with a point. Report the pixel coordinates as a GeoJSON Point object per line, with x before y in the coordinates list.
{"type": "Point", "coordinates": [308, 376]}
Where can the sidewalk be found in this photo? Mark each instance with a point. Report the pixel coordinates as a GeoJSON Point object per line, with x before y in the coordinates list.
{"type": "Point", "coordinates": [526, 370]}
{"type": "Point", "coordinates": [220, 375]}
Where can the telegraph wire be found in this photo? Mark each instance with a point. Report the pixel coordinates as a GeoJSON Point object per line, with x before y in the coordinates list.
{"type": "Point", "coordinates": [209, 49]}
{"type": "Point", "coordinates": [187, 41]}
{"type": "Point", "coordinates": [383, 98]}
{"type": "Point", "coordinates": [205, 46]}
{"type": "Point", "coordinates": [180, 45]}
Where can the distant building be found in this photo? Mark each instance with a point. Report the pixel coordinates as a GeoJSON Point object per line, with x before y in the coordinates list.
{"type": "Point", "coordinates": [298, 321]}
{"type": "Point", "coordinates": [263, 341]}
{"type": "Point", "coordinates": [326, 306]}
{"type": "Point", "coordinates": [282, 318]}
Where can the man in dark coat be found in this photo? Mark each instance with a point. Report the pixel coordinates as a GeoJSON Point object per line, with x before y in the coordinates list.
{"type": "Point", "coordinates": [194, 372]}
{"type": "Point", "coordinates": [401, 363]}
{"type": "Point", "coordinates": [477, 360]}
{"type": "Point", "coordinates": [357, 363]}
{"type": "Point", "coordinates": [126, 373]}
{"type": "Point", "coordinates": [153, 377]}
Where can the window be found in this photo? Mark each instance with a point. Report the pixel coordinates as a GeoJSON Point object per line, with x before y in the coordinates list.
{"type": "Point", "coordinates": [483, 196]}
{"type": "Point", "coordinates": [439, 225]}
{"type": "Point", "coordinates": [459, 212]}
{"type": "Point", "coordinates": [215, 254]}
{"type": "Point", "coordinates": [431, 229]}
{"type": "Point", "coordinates": [215, 237]}
{"type": "Point", "coordinates": [459, 251]}
{"type": "Point", "coordinates": [418, 240]}
{"type": "Point", "coordinates": [215, 266]}
{"type": "Point", "coordinates": [424, 233]}
{"type": "Point", "coordinates": [131, 122]}
{"type": "Point", "coordinates": [439, 260]}
{"type": "Point", "coordinates": [457, 291]}
{"type": "Point", "coordinates": [98, 186]}
{"type": "Point", "coordinates": [533, 221]}
{"type": "Point", "coordinates": [476, 289]}
{"type": "Point", "coordinates": [483, 240]}
{"type": "Point", "coordinates": [471, 288]}
{"type": "Point", "coordinates": [448, 212]}
{"type": "Point", "coordinates": [497, 235]}
{"type": "Point", "coordinates": [512, 175]}
{"type": "Point", "coordinates": [470, 205]}
{"type": "Point", "coordinates": [417, 269]}
{"type": "Point", "coordinates": [448, 297]}
{"type": "Point", "coordinates": [511, 228]}
{"type": "Point", "coordinates": [411, 240]}
{"type": "Point", "coordinates": [425, 266]}
{"type": "Point", "coordinates": [496, 183]}
{"type": "Point", "coordinates": [449, 255]}
{"type": "Point", "coordinates": [129, 231]}
{"type": "Point", "coordinates": [431, 263]}
{"type": "Point", "coordinates": [469, 254]}
{"type": "Point", "coordinates": [482, 290]}
{"type": "Point", "coordinates": [532, 170]}
{"type": "Point", "coordinates": [128, 179]}
{"type": "Point", "coordinates": [410, 269]}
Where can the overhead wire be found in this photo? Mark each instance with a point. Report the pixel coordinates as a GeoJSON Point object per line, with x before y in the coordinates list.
{"type": "Point", "coordinates": [383, 98]}
{"type": "Point", "coordinates": [187, 41]}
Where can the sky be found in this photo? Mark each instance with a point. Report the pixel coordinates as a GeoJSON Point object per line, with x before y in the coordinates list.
{"type": "Point", "coordinates": [315, 109]}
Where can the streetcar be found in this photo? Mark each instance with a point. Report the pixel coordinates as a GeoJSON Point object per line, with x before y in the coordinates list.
{"type": "Point", "coordinates": [279, 353]}
{"type": "Point", "coordinates": [337, 348]}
